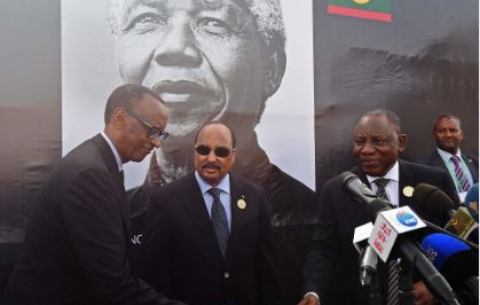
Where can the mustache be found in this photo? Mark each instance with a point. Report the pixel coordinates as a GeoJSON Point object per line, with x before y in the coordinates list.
{"type": "Point", "coordinates": [211, 165]}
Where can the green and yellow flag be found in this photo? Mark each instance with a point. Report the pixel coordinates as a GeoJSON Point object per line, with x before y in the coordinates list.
{"type": "Point", "coordinates": [380, 10]}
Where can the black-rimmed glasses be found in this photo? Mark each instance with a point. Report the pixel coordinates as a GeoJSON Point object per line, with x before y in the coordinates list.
{"type": "Point", "coordinates": [153, 132]}
{"type": "Point", "coordinates": [221, 151]}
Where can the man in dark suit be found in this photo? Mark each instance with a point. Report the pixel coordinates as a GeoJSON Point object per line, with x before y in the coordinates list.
{"type": "Point", "coordinates": [78, 234]}
{"type": "Point", "coordinates": [448, 134]}
{"type": "Point", "coordinates": [207, 237]}
{"type": "Point", "coordinates": [331, 273]}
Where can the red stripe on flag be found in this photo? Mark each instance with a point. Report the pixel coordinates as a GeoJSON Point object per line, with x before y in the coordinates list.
{"type": "Point", "coordinates": [352, 12]}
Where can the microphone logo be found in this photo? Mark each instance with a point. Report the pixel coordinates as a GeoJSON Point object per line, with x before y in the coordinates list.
{"type": "Point", "coordinates": [406, 218]}
{"type": "Point", "coordinates": [431, 253]}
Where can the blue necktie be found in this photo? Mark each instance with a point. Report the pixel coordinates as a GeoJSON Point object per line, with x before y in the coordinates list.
{"type": "Point", "coordinates": [219, 220]}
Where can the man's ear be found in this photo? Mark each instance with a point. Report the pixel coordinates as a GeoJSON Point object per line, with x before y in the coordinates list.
{"type": "Point", "coordinates": [402, 142]}
{"type": "Point", "coordinates": [119, 118]}
{"type": "Point", "coordinates": [275, 66]}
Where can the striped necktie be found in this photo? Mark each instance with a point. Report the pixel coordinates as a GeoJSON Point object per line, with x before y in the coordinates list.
{"type": "Point", "coordinates": [463, 182]}
{"type": "Point", "coordinates": [392, 266]}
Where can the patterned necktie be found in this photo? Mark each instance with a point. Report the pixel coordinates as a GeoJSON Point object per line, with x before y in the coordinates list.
{"type": "Point", "coordinates": [219, 220]}
{"type": "Point", "coordinates": [392, 266]}
{"type": "Point", "coordinates": [463, 182]}
{"type": "Point", "coordinates": [381, 184]}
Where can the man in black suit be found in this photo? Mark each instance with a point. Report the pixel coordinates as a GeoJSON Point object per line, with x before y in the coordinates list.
{"type": "Point", "coordinates": [331, 273]}
{"type": "Point", "coordinates": [203, 249]}
{"type": "Point", "coordinates": [448, 134]}
{"type": "Point", "coordinates": [78, 235]}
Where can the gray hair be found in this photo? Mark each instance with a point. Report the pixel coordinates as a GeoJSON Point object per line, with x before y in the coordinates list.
{"type": "Point", "coordinates": [267, 15]}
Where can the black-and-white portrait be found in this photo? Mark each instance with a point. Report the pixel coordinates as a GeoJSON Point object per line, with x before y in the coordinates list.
{"type": "Point", "coordinates": [247, 63]}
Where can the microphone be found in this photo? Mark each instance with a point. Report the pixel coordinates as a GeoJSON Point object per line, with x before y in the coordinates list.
{"type": "Point", "coordinates": [368, 265]}
{"type": "Point", "coordinates": [471, 201]}
{"type": "Point", "coordinates": [407, 249]}
{"type": "Point", "coordinates": [435, 204]}
{"type": "Point", "coordinates": [368, 257]}
{"type": "Point", "coordinates": [456, 262]}
{"type": "Point", "coordinates": [452, 257]}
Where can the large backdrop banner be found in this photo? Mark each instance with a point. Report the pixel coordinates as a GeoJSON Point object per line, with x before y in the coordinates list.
{"type": "Point", "coordinates": [290, 77]}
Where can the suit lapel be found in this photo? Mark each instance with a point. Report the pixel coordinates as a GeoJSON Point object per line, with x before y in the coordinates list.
{"type": "Point", "coordinates": [109, 160]}
{"type": "Point", "coordinates": [194, 205]}
{"type": "Point", "coordinates": [472, 167]}
{"type": "Point", "coordinates": [406, 178]}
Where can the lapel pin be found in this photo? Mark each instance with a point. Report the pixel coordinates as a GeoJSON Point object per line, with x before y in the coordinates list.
{"type": "Point", "coordinates": [408, 191]}
{"type": "Point", "coordinates": [241, 203]}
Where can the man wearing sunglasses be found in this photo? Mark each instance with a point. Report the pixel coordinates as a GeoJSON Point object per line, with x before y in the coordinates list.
{"type": "Point", "coordinates": [215, 61]}
{"type": "Point", "coordinates": [78, 234]}
{"type": "Point", "coordinates": [207, 238]}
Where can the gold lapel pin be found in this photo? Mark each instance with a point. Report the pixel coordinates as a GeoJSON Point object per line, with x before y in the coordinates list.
{"type": "Point", "coordinates": [241, 203]}
{"type": "Point", "coordinates": [408, 191]}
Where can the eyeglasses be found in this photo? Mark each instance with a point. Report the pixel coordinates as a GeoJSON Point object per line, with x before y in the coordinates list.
{"type": "Point", "coordinates": [221, 152]}
{"type": "Point", "coordinates": [153, 132]}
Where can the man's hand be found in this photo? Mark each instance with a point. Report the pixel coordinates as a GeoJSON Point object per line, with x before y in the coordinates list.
{"type": "Point", "coordinates": [423, 296]}
{"type": "Point", "coordinates": [309, 299]}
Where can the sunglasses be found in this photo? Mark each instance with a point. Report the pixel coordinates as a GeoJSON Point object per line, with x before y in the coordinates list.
{"type": "Point", "coordinates": [221, 152]}
{"type": "Point", "coordinates": [152, 132]}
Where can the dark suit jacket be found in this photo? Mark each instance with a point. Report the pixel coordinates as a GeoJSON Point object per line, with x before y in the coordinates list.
{"type": "Point", "coordinates": [181, 257]}
{"type": "Point", "coordinates": [77, 237]}
{"type": "Point", "coordinates": [331, 268]}
{"type": "Point", "coordinates": [435, 160]}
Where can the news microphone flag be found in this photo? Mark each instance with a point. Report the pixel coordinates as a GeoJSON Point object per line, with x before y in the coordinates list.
{"type": "Point", "coordinates": [389, 225]}
{"type": "Point", "coordinates": [462, 223]}
{"type": "Point", "coordinates": [380, 10]}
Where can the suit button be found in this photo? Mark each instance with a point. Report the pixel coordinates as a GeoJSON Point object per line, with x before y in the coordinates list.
{"type": "Point", "coordinates": [226, 275]}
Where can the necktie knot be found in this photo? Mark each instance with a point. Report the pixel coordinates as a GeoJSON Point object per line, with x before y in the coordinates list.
{"type": "Point", "coordinates": [455, 159]}
{"type": "Point", "coordinates": [215, 192]}
{"type": "Point", "coordinates": [381, 183]}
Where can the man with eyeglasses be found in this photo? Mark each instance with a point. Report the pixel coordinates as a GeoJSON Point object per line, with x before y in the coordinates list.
{"type": "Point", "coordinates": [78, 234]}
{"type": "Point", "coordinates": [215, 60]}
{"type": "Point", "coordinates": [207, 238]}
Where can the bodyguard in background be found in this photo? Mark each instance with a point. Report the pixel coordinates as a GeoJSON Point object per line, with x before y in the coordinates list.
{"type": "Point", "coordinates": [207, 237]}
{"type": "Point", "coordinates": [78, 235]}
{"type": "Point", "coordinates": [463, 168]}
{"type": "Point", "coordinates": [331, 272]}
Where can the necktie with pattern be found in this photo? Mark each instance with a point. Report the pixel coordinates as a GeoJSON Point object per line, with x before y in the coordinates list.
{"type": "Point", "coordinates": [392, 266]}
{"type": "Point", "coordinates": [463, 182]}
{"type": "Point", "coordinates": [219, 220]}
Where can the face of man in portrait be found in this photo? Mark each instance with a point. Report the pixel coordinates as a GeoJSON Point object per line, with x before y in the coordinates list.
{"type": "Point", "coordinates": [205, 58]}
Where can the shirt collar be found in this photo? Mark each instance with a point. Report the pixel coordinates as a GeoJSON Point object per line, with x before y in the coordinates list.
{"type": "Point", "coordinates": [114, 150]}
{"type": "Point", "coordinates": [393, 174]}
{"type": "Point", "coordinates": [445, 155]}
{"type": "Point", "coordinates": [224, 184]}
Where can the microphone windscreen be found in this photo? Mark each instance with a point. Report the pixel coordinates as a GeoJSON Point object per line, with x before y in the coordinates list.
{"type": "Point", "coordinates": [432, 201]}
{"type": "Point", "coordinates": [471, 201]}
{"type": "Point", "coordinates": [452, 257]}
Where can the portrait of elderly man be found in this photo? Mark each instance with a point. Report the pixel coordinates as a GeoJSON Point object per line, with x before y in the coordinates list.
{"type": "Point", "coordinates": [210, 60]}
